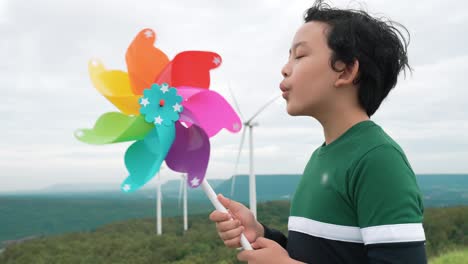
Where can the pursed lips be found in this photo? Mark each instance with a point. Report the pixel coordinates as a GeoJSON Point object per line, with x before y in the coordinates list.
{"type": "Point", "coordinates": [285, 90]}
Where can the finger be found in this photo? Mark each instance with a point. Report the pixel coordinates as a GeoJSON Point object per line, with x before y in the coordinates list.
{"type": "Point", "coordinates": [262, 242]}
{"type": "Point", "coordinates": [232, 205]}
{"type": "Point", "coordinates": [227, 225]}
{"type": "Point", "coordinates": [233, 243]}
{"type": "Point", "coordinates": [217, 216]}
{"type": "Point", "coordinates": [246, 255]}
{"type": "Point", "coordinates": [231, 233]}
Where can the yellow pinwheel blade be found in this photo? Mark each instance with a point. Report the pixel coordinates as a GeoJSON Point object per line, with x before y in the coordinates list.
{"type": "Point", "coordinates": [115, 86]}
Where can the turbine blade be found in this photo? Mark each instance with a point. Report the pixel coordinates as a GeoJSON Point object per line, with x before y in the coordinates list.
{"type": "Point", "coordinates": [237, 162]}
{"type": "Point", "coordinates": [263, 108]}
{"type": "Point", "coordinates": [236, 105]}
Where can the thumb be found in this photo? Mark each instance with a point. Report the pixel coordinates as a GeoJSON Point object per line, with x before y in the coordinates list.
{"type": "Point", "coordinates": [262, 242]}
{"type": "Point", "coordinates": [233, 206]}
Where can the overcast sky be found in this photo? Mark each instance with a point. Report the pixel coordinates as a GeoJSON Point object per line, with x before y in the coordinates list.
{"type": "Point", "coordinates": [45, 46]}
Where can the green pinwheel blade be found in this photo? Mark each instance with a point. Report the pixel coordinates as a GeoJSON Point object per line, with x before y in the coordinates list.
{"type": "Point", "coordinates": [115, 127]}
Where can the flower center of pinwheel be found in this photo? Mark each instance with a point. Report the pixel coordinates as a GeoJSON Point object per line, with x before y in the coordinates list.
{"type": "Point", "coordinates": [161, 105]}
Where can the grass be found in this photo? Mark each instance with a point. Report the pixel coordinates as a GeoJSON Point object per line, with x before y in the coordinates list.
{"type": "Point", "coordinates": [454, 257]}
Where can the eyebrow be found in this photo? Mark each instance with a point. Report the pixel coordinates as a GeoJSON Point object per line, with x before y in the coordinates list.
{"type": "Point", "coordinates": [295, 45]}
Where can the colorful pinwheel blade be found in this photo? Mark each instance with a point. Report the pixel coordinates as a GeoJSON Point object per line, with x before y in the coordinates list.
{"type": "Point", "coordinates": [115, 86]}
{"type": "Point", "coordinates": [187, 92]}
{"type": "Point", "coordinates": [212, 112]}
{"type": "Point", "coordinates": [190, 153]}
{"type": "Point", "coordinates": [115, 127]}
{"type": "Point", "coordinates": [190, 68]}
{"type": "Point", "coordinates": [144, 61]}
{"type": "Point", "coordinates": [143, 158]}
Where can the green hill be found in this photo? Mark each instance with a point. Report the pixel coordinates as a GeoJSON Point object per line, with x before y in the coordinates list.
{"type": "Point", "coordinates": [67, 208]}
{"type": "Point", "coordinates": [135, 241]}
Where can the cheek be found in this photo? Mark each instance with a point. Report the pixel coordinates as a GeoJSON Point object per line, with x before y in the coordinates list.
{"type": "Point", "coordinates": [312, 86]}
{"type": "Point", "coordinates": [313, 81]}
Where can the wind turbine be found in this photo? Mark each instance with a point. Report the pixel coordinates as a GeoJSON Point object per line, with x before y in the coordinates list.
{"type": "Point", "coordinates": [183, 192]}
{"type": "Point", "coordinates": [158, 206]}
{"type": "Point", "coordinates": [250, 124]}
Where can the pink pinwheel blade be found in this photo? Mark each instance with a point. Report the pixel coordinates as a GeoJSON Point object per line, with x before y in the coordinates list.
{"type": "Point", "coordinates": [212, 112]}
{"type": "Point", "coordinates": [186, 91]}
{"type": "Point", "coordinates": [190, 153]}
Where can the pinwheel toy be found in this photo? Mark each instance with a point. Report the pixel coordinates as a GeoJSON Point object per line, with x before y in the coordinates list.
{"type": "Point", "coordinates": [166, 107]}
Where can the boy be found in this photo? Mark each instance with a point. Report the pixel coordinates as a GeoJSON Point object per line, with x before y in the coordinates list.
{"type": "Point", "coordinates": [358, 200]}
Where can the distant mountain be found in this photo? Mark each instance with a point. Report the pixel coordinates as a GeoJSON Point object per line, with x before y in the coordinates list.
{"type": "Point", "coordinates": [174, 185]}
{"type": "Point", "coordinates": [79, 187]}
{"type": "Point", "coordinates": [438, 189]}
{"type": "Point", "coordinates": [269, 187]}
{"type": "Point", "coordinates": [169, 187]}
{"type": "Point", "coordinates": [441, 190]}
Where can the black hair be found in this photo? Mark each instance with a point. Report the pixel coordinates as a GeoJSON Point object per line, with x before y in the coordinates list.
{"type": "Point", "coordinates": [377, 44]}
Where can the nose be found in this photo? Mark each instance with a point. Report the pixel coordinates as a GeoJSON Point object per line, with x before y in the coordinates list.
{"type": "Point", "coordinates": [286, 70]}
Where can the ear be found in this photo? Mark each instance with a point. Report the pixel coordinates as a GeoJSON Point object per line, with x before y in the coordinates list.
{"type": "Point", "coordinates": [348, 75]}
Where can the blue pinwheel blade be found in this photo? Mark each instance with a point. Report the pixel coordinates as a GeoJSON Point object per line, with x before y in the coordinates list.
{"type": "Point", "coordinates": [143, 158]}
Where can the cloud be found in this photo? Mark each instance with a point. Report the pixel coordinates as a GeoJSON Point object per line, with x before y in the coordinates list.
{"type": "Point", "coordinates": [46, 92]}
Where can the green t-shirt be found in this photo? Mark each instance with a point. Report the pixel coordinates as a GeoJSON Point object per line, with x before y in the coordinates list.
{"type": "Point", "coordinates": [360, 188]}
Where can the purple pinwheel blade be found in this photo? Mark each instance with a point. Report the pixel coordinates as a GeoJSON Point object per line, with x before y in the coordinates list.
{"type": "Point", "coordinates": [190, 153]}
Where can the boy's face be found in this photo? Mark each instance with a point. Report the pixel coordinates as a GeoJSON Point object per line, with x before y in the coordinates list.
{"type": "Point", "coordinates": [308, 84]}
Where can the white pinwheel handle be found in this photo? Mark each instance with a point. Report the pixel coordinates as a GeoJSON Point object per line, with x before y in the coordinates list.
{"type": "Point", "coordinates": [214, 200]}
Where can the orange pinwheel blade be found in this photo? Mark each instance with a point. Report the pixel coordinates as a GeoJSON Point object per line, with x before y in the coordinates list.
{"type": "Point", "coordinates": [144, 61]}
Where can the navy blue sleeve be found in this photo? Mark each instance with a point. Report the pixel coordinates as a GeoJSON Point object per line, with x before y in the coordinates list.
{"type": "Point", "coordinates": [401, 253]}
{"type": "Point", "coordinates": [275, 235]}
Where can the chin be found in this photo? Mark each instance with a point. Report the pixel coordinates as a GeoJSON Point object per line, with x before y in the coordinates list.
{"type": "Point", "coordinates": [292, 111]}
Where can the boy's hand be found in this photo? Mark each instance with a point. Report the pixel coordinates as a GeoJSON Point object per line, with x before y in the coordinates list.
{"type": "Point", "coordinates": [239, 220]}
{"type": "Point", "coordinates": [266, 251]}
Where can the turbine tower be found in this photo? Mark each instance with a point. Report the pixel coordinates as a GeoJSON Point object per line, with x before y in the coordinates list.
{"type": "Point", "coordinates": [158, 206]}
{"type": "Point", "coordinates": [183, 193]}
{"type": "Point", "coordinates": [250, 124]}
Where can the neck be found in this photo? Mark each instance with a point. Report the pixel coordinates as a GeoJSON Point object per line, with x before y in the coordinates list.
{"type": "Point", "coordinates": [336, 124]}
